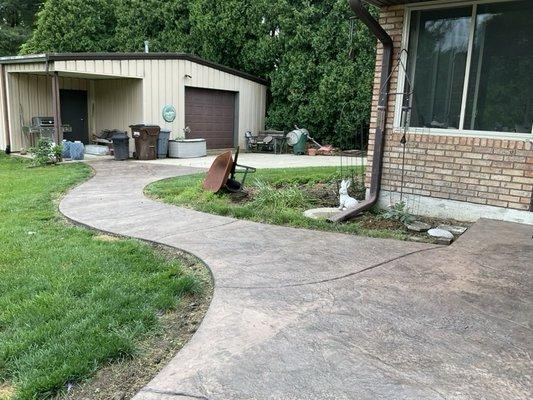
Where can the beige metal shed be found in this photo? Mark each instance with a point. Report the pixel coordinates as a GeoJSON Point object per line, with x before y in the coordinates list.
{"type": "Point", "coordinates": [97, 91]}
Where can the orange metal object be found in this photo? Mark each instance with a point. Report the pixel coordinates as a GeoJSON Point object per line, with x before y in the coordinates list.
{"type": "Point", "coordinates": [218, 174]}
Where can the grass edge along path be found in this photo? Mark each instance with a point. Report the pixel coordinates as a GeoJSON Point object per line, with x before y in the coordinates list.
{"type": "Point", "coordinates": [280, 202]}
{"type": "Point", "coordinates": [71, 299]}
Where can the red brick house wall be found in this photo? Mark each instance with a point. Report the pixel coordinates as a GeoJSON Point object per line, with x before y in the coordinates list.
{"type": "Point", "coordinates": [494, 172]}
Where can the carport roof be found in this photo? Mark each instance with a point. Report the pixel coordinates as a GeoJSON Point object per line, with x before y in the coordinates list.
{"type": "Point", "coordinates": [50, 57]}
{"type": "Point", "coordinates": [384, 3]}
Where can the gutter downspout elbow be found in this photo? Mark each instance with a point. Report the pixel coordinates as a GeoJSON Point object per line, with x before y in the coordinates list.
{"type": "Point", "coordinates": [379, 139]}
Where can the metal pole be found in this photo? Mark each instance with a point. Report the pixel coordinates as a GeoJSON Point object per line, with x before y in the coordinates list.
{"type": "Point", "coordinates": [56, 108]}
{"type": "Point", "coordinates": [5, 119]}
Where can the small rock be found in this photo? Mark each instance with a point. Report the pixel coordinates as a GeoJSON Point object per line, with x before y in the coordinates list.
{"type": "Point", "coordinates": [418, 226]}
{"type": "Point", "coordinates": [440, 233]}
{"type": "Point", "coordinates": [444, 241]}
{"type": "Point", "coordinates": [455, 229]}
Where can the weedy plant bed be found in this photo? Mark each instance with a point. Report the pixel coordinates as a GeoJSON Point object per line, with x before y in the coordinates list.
{"type": "Point", "coordinates": [280, 196]}
{"type": "Point", "coordinates": [73, 301]}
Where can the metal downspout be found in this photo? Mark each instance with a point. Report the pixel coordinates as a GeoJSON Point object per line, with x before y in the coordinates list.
{"type": "Point", "coordinates": [379, 137]}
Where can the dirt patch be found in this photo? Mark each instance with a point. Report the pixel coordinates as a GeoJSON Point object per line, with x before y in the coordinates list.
{"type": "Point", "coordinates": [373, 221]}
{"type": "Point", "coordinates": [323, 194]}
{"type": "Point", "coordinates": [6, 391]}
{"type": "Point", "coordinates": [106, 238]}
{"type": "Point", "coordinates": [120, 380]}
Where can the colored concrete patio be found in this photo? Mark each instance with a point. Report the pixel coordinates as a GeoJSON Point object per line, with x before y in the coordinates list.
{"type": "Point", "coordinates": [267, 160]}
{"type": "Point", "coordinates": [299, 314]}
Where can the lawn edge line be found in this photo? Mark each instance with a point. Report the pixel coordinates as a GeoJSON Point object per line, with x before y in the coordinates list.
{"type": "Point", "coordinates": [152, 244]}
{"type": "Point", "coordinates": [315, 229]}
{"type": "Point", "coordinates": [57, 201]}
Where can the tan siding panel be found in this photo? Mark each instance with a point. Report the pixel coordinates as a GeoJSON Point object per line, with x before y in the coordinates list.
{"type": "Point", "coordinates": [37, 67]}
{"type": "Point", "coordinates": [30, 96]}
{"type": "Point", "coordinates": [165, 83]}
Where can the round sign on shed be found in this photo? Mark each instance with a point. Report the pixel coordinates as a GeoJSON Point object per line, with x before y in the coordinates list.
{"type": "Point", "coordinates": [169, 113]}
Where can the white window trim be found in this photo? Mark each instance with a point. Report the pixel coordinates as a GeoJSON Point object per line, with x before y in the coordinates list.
{"type": "Point", "coordinates": [401, 77]}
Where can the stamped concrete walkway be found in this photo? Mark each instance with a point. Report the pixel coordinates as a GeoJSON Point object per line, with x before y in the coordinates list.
{"type": "Point", "coordinates": [299, 314]}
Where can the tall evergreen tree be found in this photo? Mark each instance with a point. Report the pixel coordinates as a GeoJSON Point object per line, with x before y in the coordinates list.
{"type": "Point", "coordinates": [302, 46]}
{"type": "Point", "coordinates": [164, 23]}
{"type": "Point", "coordinates": [74, 26]}
{"type": "Point", "coordinates": [16, 21]}
{"type": "Point", "coordinates": [315, 83]}
{"type": "Point", "coordinates": [237, 33]}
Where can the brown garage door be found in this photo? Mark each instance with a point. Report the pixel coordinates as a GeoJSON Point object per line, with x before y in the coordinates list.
{"type": "Point", "coordinates": [210, 114]}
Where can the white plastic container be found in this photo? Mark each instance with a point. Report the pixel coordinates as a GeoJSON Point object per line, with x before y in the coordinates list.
{"type": "Point", "coordinates": [187, 148]}
{"type": "Point", "coordinates": [96, 150]}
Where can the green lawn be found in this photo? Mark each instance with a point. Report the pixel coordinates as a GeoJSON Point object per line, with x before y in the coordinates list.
{"type": "Point", "coordinates": [279, 196]}
{"type": "Point", "coordinates": [69, 301]}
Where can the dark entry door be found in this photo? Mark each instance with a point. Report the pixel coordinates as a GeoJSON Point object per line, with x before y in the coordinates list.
{"type": "Point", "coordinates": [74, 113]}
{"type": "Point", "coordinates": [210, 114]}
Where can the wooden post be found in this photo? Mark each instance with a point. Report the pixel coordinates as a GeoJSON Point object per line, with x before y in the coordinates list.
{"type": "Point", "coordinates": [5, 120]}
{"type": "Point", "coordinates": [56, 108]}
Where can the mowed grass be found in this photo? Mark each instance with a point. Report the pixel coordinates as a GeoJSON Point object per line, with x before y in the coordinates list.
{"type": "Point", "coordinates": [69, 301]}
{"type": "Point", "coordinates": [277, 199]}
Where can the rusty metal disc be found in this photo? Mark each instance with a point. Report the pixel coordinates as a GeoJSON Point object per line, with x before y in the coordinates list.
{"type": "Point", "coordinates": [218, 174]}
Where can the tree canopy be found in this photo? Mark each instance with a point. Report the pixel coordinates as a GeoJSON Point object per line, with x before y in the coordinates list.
{"type": "Point", "coordinates": [73, 26]}
{"type": "Point", "coordinates": [301, 46]}
{"type": "Point", "coordinates": [16, 21]}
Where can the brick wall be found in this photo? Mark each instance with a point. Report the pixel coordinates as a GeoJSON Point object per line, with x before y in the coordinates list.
{"type": "Point", "coordinates": [464, 168]}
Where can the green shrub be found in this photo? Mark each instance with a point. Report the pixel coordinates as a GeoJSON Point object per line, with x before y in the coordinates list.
{"type": "Point", "coordinates": [45, 152]}
{"type": "Point", "coordinates": [399, 212]}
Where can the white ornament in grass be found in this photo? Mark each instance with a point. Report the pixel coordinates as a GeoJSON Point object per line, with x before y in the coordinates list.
{"type": "Point", "coordinates": [345, 200]}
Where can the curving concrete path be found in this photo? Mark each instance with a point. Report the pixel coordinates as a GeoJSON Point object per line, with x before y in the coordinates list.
{"type": "Point", "coordinates": [300, 314]}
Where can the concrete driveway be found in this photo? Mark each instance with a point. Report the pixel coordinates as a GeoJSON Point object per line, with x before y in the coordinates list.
{"type": "Point", "coordinates": [267, 160]}
{"type": "Point", "coordinates": [300, 314]}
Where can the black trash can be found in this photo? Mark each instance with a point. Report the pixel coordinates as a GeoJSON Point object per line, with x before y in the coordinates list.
{"type": "Point", "coordinates": [121, 145]}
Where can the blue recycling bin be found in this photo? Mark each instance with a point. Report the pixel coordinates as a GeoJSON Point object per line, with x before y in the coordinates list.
{"type": "Point", "coordinates": [65, 151]}
{"type": "Point", "coordinates": [77, 150]}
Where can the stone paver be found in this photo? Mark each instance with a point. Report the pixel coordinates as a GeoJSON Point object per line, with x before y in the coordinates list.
{"type": "Point", "coordinates": [300, 314]}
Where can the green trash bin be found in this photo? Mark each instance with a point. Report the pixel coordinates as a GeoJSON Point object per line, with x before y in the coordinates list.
{"type": "Point", "coordinates": [298, 140]}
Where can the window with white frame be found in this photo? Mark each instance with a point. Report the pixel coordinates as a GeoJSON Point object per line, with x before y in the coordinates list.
{"type": "Point", "coordinates": [470, 67]}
